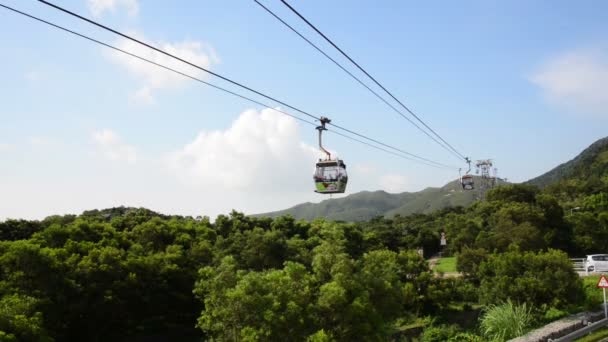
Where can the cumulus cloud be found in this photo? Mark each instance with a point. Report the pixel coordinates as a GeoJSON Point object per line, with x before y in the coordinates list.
{"type": "Point", "coordinates": [259, 151]}
{"type": "Point", "coordinates": [393, 183]}
{"type": "Point", "coordinates": [98, 7]}
{"type": "Point", "coordinates": [154, 78]}
{"type": "Point", "coordinates": [113, 148]}
{"type": "Point", "coordinates": [576, 81]}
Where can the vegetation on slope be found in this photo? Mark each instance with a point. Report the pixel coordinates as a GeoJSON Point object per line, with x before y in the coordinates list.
{"type": "Point", "coordinates": [365, 205]}
{"type": "Point", "coordinates": [592, 162]}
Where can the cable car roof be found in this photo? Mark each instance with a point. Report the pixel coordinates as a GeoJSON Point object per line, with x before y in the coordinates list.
{"type": "Point", "coordinates": [329, 163]}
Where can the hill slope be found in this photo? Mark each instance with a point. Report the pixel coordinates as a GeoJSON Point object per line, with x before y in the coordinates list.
{"type": "Point", "coordinates": [364, 205]}
{"type": "Point", "coordinates": [593, 161]}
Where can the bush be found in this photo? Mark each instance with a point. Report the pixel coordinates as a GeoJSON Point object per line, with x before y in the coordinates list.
{"type": "Point", "coordinates": [469, 259]}
{"type": "Point", "coordinates": [505, 321]}
{"type": "Point", "coordinates": [465, 337]}
{"type": "Point", "coordinates": [439, 333]}
{"type": "Point", "coordinates": [553, 314]}
{"type": "Point", "coordinates": [593, 296]}
{"type": "Point", "coordinates": [513, 193]}
{"type": "Point", "coordinates": [534, 278]}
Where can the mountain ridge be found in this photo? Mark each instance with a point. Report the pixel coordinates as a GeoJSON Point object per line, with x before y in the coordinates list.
{"type": "Point", "coordinates": [580, 166]}
{"type": "Point", "coordinates": [365, 205]}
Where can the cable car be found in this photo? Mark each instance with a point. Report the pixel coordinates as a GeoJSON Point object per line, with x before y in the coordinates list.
{"type": "Point", "coordinates": [467, 180]}
{"type": "Point", "coordinates": [330, 175]}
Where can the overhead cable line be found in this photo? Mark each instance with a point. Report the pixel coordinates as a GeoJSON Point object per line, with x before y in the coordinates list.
{"type": "Point", "coordinates": [439, 166]}
{"type": "Point", "coordinates": [423, 160]}
{"type": "Point", "coordinates": [371, 77]}
{"type": "Point", "coordinates": [151, 62]}
{"type": "Point", "coordinates": [225, 78]}
{"type": "Point", "coordinates": [351, 75]}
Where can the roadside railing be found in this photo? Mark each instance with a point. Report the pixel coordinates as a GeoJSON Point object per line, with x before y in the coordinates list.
{"type": "Point", "coordinates": [591, 327]}
{"type": "Point", "coordinates": [578, 264]}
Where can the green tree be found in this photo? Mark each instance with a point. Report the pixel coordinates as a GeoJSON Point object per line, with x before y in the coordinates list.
{"type": "Point", "coordinates": [255, 306]}
{"type": "Point", "coordinates": [530, 277]}
{"type": "Point", "coordinates": [20, 319]}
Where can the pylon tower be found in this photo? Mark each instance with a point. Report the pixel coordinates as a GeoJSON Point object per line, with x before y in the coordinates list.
{"type": "Point", "coordinates": [488, 173]}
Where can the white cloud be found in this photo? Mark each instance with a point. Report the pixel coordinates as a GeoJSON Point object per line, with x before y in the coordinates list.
{"type": "Point", "coordinates": [113, 148]}
{"type": "Point", "coordinates": [576, 81]}
{"type": "Point", "coordinates": [5, 147]}
{"type": "Point", "coordinates": [154, 78]}
{"type": "Point", "coordinates": [98, 7]}
{"type": "Point", "coordinates": [394, 183]}
{"type": "Point", "coordinates": [261, 151]}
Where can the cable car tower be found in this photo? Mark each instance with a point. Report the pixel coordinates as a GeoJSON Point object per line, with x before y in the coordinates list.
{"type": "Point", "coordinates": [488, 174]}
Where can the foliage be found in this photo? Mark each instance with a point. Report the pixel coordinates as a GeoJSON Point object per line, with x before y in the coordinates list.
{"type": "Point", "coordinates": [534, 278]}
{"type": "Point", "coordinates": [506, 321]}
{"type": "Point", "coordinates": [469, 259]}
{"type": "Point", "coordinates": [513, 193]}
{"type": "Point", "coordinates": [132, 274]}
{"type": "Point", "coordinates": [593, 295]}
{"type": "Point", "coordinates": [588, 163]}
{"type": "Point", "coordinates": [439, 333]}
{"type": "Point", "coordinates": [552, 314]}
{"type": "Point", "coordinates": [19, 319]}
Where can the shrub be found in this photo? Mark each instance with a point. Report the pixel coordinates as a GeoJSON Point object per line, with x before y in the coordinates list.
{"type": "Point", "coordinates": [553, 314]}
{"type": "Point", "coordinates": [439, 333]}
{"type": "Point", "coordinates": [534, 278]}
{"type": "Point", "coordinates": [505, 321]}
{"type": "Point", "coordinates": [465, 337]}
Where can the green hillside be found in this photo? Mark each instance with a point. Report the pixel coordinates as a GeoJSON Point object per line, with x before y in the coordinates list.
{"type": "Point", "coordinates": [582, 175]}
{"type": "Point", "coordinates": [591, 163]}
{"type": "Point", "coordinates": [365, 205]}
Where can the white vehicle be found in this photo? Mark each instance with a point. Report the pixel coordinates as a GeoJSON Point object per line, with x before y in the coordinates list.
{"type": "Point", "coordinates": [596, 263]}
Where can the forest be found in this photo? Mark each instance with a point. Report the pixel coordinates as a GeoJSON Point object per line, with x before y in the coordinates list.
{"type": "Point", "coordinates": [133, 274]}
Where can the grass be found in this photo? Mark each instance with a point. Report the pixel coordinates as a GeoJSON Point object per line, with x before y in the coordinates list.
{"type": "Point", "coordinates": [595, 336]}
{"type": "Point", "coordinates": [506, 321]}
{"type": "Point", "coordinates": [446, 265]}
{"type": "Point", "coordinates": [594, 296]}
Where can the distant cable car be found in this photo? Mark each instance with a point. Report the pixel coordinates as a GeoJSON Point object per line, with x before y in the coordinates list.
{"type": "Point", "coordinates": [467, 180]}
{"type": "Point", "coordinates": [330, 176]}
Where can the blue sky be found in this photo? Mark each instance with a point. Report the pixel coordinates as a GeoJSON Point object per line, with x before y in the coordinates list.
{"type": "Point", "coordinates": [521, 82]}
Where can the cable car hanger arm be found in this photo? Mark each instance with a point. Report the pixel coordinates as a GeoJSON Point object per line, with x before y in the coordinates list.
{"type": "Point", "coordinates": [322, 128]}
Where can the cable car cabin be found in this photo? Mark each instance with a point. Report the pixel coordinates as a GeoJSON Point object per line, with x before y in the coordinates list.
{"type": "Point", "coordinates": [467, 182]}
{"type": "Point", "coordinates": [330, 177]}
